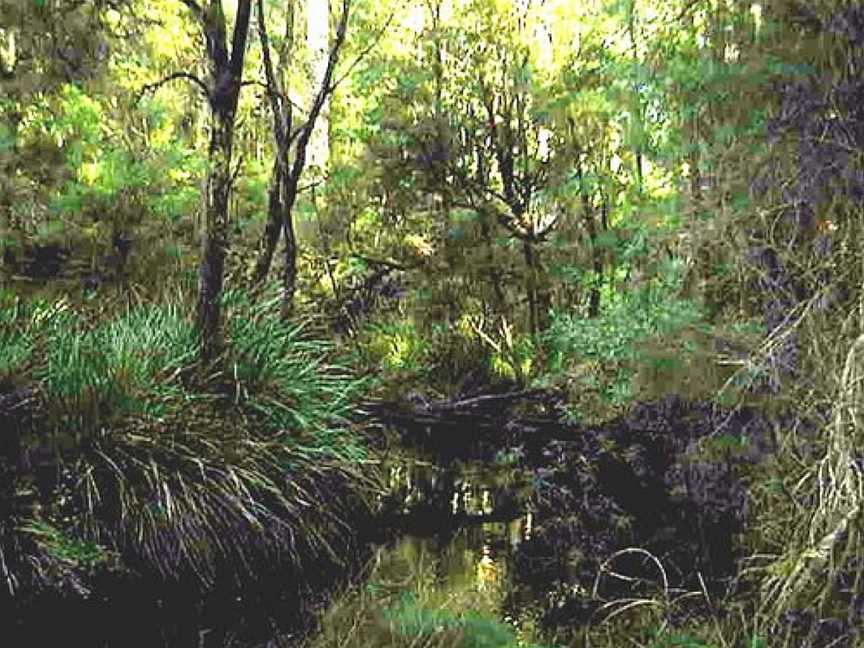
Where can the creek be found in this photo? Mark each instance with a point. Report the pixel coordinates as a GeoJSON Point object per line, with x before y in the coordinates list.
{"type": "Point", "coordinates": [456, 529]}
{"type": "Point", "coordinates": [514, 528]}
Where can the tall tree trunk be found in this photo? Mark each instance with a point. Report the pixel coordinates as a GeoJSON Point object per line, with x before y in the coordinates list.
{"type": "Point", "coordinates": [214, 240]}
{"type": "Point", "coordinates": [594, 294]}
{"type": "Point", "coordinates": [530, 286]}
{"type": "Point", "coordinates": [226, 71]}
{"type": "Point", "coordinates": [282, 113]}
{"type": "Point", "coordinates": [272, 229]}
{"type": "Point", "coordinates": [493, 272]}
{"type": "Point", "coordinates": [289, 254]}
{"type": "Point", "coordinates": [537, 293]}
{"type": "Point", "coordinates": [637, 122]}
{"type": "Point", "coordinates": [318, 44]}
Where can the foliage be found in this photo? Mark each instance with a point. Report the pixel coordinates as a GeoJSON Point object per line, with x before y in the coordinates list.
{"type": "Point", "coordinates": [540, 193]}
{"type": "Point", "coordinates": [470, 629]}
{"type": "Point", "coordinates": [168, 472]}
{"type": "Point", "coordinates": [93, 374]}
{"type": "Point", "coordinates": [603, 353]}
{"type": "Point", "coordinates": [78, 553]}
{"type": "Point", "coordinates": [288, 379]}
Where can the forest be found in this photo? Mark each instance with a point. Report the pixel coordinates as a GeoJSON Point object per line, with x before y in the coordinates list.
{"type": "Point", "coordinates": [432, 323]}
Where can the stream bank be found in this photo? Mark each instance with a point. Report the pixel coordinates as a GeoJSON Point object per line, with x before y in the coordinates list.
{"type": "Point", "coordinates": [514, 525]}
{"type": "Point", "coordinates": [500, 520]}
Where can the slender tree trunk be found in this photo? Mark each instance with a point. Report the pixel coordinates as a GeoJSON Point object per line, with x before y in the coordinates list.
{"type": "Point", "coordinates": [636, 118]}
{"type": "Point", "coordinates": [536, 292]}
{"type": "Point", "coordinates": [318, 45]}
{"type": "Point", "coordinates": [691, 127]}
{"type": "Point", "coordinates": [530, 288]}
{"type": "Point", "coordinates": [214, 241]}
{"type": "Point", "coordinates": [273, 228]}
{"type": "Point", "coordinates": [289, 254]}
{"type": "Point", "coordinates": [226, 71]}
{"type": "Point", "coordinates": [280, 212]}
{"type": "Point", "coordinates": [492, 267]}
{"type": "Point", "coordinates": [596, 265]}
{"type": "Point", "coordinates": [594, 294]}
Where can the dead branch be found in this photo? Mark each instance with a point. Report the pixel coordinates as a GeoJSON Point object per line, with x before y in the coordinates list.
{"type": "Point", "coordinates": [153, 87]}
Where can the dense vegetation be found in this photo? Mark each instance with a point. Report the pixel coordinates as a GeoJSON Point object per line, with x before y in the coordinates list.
{"type": "Point", "coordinates": [227, 230]}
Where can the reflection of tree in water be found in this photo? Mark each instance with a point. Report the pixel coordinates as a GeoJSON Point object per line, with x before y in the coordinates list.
{"type": "Point", "coordinates": [453, 571]}
{"type": "Point", "coordinates": [487, 571]}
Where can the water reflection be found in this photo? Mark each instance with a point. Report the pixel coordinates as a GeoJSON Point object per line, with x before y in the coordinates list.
{"type": "Point", "coordinates": [469, 490]}
{"type": "Point", "coordinates": [431, 582]}
{"type": "Point", "coordinates": [449, 565]}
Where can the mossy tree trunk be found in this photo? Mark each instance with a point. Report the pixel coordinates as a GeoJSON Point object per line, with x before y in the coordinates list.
{"type": "Point", "coordinates": [226, 75]}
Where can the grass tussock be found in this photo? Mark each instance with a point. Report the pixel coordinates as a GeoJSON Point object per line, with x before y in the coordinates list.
{"type": "Point", "coordinates": [185, 477]}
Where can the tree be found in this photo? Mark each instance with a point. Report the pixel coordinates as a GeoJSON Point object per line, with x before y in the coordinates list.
{"type": "Point", "coordinates": [223, 91]}
{"type": "Point", "coordinates": [285, 181]}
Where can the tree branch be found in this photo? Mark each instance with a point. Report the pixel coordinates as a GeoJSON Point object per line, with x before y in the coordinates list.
{"type": "Point", "coordinates": [365, 52]}
{"type": "Point", "coordinates": [152, 87]}
{"type": "Point", "coordinates": [194, 7]}
{"type": "Point", "coordinates": [274, 90]}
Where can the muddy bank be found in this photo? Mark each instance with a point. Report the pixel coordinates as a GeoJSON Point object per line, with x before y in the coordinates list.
{"type": "Point", "coordinates": [569, 502]}
{"type": "Point", "coordinates": [126, 603]}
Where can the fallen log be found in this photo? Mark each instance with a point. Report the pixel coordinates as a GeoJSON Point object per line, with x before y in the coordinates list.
{"type": "Point", "coordinates": [454, 425]}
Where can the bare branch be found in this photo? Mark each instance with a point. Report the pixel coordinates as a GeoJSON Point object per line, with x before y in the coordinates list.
{"type": "Point", "coordinates": [365, 52]}
{"type": "Point", "coordinates": [152, 87]}
{"type": "Point", "coordinates": [194, 7]}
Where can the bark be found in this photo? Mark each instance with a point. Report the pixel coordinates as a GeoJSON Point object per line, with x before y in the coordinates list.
{"type": "Point", "coordinates": [226, 71]}
{"type": "Point", "coordinates": [214, 244]}
{"type": "Point", "coordinates": [287, 174]}
{"type": "Point", "coordinates": [493, 271]}
{"type": "Point", "coordinates": [637, 102]}
{"type": "Point", "coordinates": [597, 261]}
{"type": "Point", "coordinates": [289, 254]}
{"type": "Point", "coordinates": [273, 228]}
{"type": "Point", "coordinates": [538, 296]}
{"type": "Point", "coordinates": [596, 266]}
{"type": "Point", "coordinates": [531, 286]}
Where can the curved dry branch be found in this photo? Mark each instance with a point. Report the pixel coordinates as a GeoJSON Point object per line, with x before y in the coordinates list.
{"type": "Point", "coordinates": [153, 87]}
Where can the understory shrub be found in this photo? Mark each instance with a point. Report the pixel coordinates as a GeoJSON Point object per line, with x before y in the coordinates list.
{"type": "Point", "coordinates": [600, 355]}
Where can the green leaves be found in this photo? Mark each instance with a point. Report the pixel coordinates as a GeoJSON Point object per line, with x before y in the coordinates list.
{"type": "Point", "coordinates": [283, 375]}
{"type": "Point", "coordinates": [67, 549]}
{"type": "Point", "coordinates": [613, 340]}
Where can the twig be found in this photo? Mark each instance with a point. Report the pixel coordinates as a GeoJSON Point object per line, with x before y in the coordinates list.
{"type": "Point", "coordinates": [365, 52]}
{"type": "Point", "coordinates": [445, 406]}
{"type": "Point", "coordinates": [152, 87]}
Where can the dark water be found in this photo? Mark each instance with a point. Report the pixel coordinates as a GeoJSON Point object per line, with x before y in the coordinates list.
{"type": "Point", "coordinates": [458, 527]}
{"type": "Point", "coordinates": [516, 546]}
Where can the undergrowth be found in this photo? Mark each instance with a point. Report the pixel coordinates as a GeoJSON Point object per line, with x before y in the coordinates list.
{"type": "Point", "coordinates": [189, 477]}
